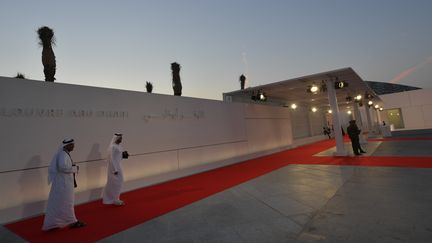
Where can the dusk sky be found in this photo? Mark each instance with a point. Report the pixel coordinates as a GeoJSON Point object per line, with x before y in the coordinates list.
{"type": "Point", "coordinates": [123, 44]}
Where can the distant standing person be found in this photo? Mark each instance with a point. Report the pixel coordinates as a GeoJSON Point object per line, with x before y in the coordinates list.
{"type": "Point", "coordinates": [111, 192]}
{"type": "Point", "coordinates": [61, 175]}
{"type": "Point", "coordinates": [353, 133]}
{"type": "Point", "coordinates": [326, 131]}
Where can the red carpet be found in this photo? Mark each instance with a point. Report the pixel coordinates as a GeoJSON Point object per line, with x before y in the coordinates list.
{"type": "Point", "coordinates": [147, 203]}
{"type": "Point", "coordinates": [398, 139]}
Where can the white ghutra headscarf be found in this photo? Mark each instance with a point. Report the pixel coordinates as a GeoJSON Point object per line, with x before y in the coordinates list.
{"type": "Point", "coordinates": [112, 143]}
{"type": "Point", "coordinates": [52, 169]}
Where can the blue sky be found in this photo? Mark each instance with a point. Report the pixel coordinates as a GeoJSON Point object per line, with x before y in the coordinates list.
{"type": "Point", "coordinates": [123, 44]}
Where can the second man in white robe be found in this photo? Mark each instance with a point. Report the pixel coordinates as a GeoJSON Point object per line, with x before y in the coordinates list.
{"type": "Point", "coordinates": [112, 189]}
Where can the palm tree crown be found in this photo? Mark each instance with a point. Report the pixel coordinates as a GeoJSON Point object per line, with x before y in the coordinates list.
{"type": "Point", "coordinates": [47, 40]}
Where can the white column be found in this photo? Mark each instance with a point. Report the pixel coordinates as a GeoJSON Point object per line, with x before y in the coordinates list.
{"type": "Point", "coordinates": [359, 122]}
{"type": "Point", "coordinates": [357, 116]}
{"type": "Point", "coordinates": [340, 149]}
{"type": "Point", "coordinates": [378, 125]}
{"type": "Point", "coordinates": [378, 117]}
{"type": "Point", "coordinates": [368, 117]}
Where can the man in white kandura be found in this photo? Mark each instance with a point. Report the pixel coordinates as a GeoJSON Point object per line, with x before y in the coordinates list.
{"type": "Point", "coordinates": [111, 192]}
{"type": "Point", "coordinates": [61, 175]}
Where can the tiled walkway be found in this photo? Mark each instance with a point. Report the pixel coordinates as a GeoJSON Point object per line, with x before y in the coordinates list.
{"type": "Point", "coordinates": [307, 203]}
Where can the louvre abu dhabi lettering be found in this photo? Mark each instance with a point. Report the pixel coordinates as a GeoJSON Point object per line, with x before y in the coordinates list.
{"type": "Point", "coordinates": [60, 113]}
{"type": "Point", "coordinates": [23, 112]}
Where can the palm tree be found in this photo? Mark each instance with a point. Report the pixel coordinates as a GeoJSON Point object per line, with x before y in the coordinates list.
{"type": "Point", "coordinates": [20, 75]}
{"type": "Point", "coordinates": [47, 40]}
{"type": "Point", "coordinates": [177, 86]}
{"type": "Point", "coordinates": [242, 81]}
{"type": "Point", "coordinates": [149, 87]}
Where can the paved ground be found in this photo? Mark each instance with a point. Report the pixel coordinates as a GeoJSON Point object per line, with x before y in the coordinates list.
{"type": "Point", "coordinates": [306, 203]}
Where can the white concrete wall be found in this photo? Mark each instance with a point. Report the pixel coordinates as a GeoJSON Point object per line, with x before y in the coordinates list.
{"type": "Point", "coordinates": [317, 121]}
{"type": "Point", "coordinates": [307, 124]}
{"type": "Point", "coordinates": [416, 106]}
{"type": "Point", "coordinates": [167, 136]}
{"type": "Point", "coordinates": [300, 122]}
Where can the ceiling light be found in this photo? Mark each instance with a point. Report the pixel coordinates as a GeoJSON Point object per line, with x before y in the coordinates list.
{"type": "Point", "coordinates": [370, 102]}
{"type": "Point", "coordinates": [293, 106]}
{"type": "Point", "coordinates": [314, 109]}
{"type": "Point", "coordinates": [314, 89]}
{"type": "Point", "coordinates": [349, 112]}
{"type": "Point", "coordinates": [340, 85]}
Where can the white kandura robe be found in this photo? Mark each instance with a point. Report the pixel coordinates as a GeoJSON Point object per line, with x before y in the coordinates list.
{"type": "Point", "coordinates": [112, 189]}
{"type": "Point", "coordinates": [60, 207]}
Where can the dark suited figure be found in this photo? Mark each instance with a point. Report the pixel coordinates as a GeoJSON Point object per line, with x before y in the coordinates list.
{"type": "Point", "coordinates": [353, 133]}
{"type": "Point", "coordinates": [326, 131]}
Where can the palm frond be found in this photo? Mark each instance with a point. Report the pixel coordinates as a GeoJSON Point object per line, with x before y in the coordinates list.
{"type": "Point", "coordinates": [46, 36]}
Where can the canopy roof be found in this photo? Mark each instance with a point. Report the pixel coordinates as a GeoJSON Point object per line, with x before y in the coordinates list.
{"type": "Point", "coordinates": [287, 92]}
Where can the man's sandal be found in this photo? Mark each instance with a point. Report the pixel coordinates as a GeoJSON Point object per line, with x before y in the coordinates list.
{"type": "Point", "coordinates": [77, 224]}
